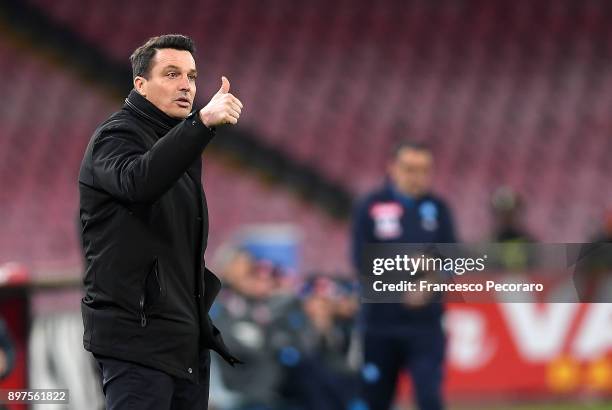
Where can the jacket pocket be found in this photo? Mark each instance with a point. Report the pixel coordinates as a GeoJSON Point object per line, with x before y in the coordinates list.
{"type": "Point", "coordinates": [153, 291]}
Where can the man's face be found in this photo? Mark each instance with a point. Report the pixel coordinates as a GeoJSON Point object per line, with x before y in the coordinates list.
{"type": "Point", "coordinates": [411, 171]}
{"type": "Point", "coordinates": [171, 83]}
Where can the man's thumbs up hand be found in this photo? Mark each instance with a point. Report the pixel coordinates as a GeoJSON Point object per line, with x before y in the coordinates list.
{"type": "Point", "coordinates": [223, 107]}
{"type": "Point", "coordinates": [225, 85]}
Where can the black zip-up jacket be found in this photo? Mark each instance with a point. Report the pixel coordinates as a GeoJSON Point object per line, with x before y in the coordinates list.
{"type": "Point", "coordinates": [144, 227]}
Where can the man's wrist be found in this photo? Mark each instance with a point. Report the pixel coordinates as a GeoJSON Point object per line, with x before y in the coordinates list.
{"type": "Point", "coordinates": [197, 120]}
{"type": "Point", "coordinates": [204, 120]}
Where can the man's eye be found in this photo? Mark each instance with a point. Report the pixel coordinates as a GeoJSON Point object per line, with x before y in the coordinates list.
{"type": "Point", "coordinates": [172, 75]}
{"type": "Point", "coordinates": [193, 77]}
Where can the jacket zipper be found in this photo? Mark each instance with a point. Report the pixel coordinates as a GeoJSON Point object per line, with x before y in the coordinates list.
{"type": "Point", "coordinates": [144, 114]}
{"type": "Point", "coordinates": [143, 296]}
{"type": "Point", "coordinates": [143, 316]}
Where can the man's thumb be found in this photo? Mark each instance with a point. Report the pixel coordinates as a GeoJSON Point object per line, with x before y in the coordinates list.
{"type": "Point", "coordinates": [225, 85]}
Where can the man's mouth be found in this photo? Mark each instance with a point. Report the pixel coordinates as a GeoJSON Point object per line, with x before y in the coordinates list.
{"type": "Point", "coordinates": [183, 102]}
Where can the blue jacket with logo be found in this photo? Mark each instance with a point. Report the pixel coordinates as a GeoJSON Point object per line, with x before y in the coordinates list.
{"type": "Point", "coordinates": [388, 216]}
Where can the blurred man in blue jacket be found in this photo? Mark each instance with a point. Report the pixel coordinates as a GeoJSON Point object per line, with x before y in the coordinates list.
{"type": "Point", "coordinates": [403, 336]}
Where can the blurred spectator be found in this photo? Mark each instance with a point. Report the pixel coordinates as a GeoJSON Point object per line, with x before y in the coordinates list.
{"type": "Point", "coordinates": [7, 352]}
{"type": "Point", "coordinates": [507, 209]}
{"type": "Point", "coordinates": [250, 312]}
{"type": "Point", "coordinates": [347, 307]}
{"type": "Point", "coordinates": [294, 349]}
{"type": "Point", "coordinates": [605, 232]}
{"type": "Point", "coordinates": [322, 378]}
{"type": "Point", "coordinates": [403, 336]}
{"type": "Point", "coordinates": [514, 253]}
{"type": "Point", "coordinates": [593, 265]}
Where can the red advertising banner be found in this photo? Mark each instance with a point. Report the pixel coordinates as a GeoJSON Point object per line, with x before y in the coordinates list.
{"type": "Point", "coordinates": [520, 349]}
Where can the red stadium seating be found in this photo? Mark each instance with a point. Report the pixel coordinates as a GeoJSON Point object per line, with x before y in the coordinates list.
{"type": "Point", "coordinates": [44, 121]}
{"type": "Point", "coordinates": [43, 133]}
{"type": "Point", "coordinates": [515, 93]}
{"type": "Point", "coordinates": [506, 92]}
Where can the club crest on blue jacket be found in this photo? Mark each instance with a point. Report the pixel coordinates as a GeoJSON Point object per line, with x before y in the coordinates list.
{"type": "Point", "coordinates": [429, 216]}
{"type": "Point", "coordinates": [387, 219]}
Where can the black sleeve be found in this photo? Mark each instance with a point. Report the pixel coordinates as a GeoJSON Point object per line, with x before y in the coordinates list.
{"type": "Point", "coordinates": [126, 169]}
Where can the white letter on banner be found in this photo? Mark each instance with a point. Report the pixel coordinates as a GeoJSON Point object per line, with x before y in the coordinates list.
{"type": "Point", "coordinates": [539, 331]}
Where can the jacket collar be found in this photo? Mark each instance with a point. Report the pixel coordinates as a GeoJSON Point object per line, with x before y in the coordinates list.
{"type": "Point", "coordinates": [403, 198]}
{"type": "Point", "coordinates": [140, 106]}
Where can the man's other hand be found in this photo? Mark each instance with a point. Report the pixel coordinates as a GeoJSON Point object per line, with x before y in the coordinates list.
{"type": "Point", "coordinates": [223, 107]}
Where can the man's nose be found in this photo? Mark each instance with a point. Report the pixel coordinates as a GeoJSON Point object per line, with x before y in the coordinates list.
{"type": "Point", "coordinates": [185, 84]}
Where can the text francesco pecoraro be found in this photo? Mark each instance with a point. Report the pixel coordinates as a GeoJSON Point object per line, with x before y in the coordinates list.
{"type": "Point", "coordinates": [435, 274]}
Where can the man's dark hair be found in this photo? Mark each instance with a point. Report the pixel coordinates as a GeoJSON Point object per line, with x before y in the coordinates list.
{"type": "Point", "coordinates": [141, 57]}
{"type": "Point", "coordinates": [413, 145]}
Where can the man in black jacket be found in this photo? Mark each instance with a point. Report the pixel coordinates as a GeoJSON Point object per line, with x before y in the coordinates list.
{"type": "Point", "coordinates": [144, 225]}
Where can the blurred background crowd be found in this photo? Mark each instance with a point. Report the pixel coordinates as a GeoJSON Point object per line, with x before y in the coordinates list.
{"type": "Point", "coordinates": [512, 97]}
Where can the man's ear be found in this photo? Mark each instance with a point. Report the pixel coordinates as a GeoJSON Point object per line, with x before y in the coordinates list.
{"type": "Point", "coordinates": [140, 85]}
